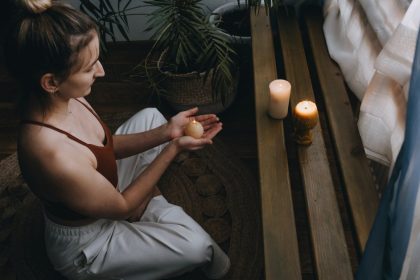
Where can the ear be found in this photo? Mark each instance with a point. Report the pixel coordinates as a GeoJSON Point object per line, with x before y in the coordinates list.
{"type": "Point", "coordinates": [48, 83]}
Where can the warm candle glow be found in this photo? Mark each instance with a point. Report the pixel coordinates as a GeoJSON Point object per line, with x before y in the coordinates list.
{"type": "Point", "coordinates": [306, 111]}
{"type": "Point", "coordinates": [305, 117]}
{"type": "Point", "coordinates": [279, 98]}
{"type": "Point", "coordinates": [194, 129]}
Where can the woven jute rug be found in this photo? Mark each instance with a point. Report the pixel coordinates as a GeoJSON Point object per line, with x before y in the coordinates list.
{"type": "Point", "coordinates": [212, 185]}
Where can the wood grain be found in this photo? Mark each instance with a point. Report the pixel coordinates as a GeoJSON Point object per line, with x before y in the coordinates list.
{"type": "Point", "coordinates": [358, 180]}
{"type": "Point", "coordinates": [329, 246]}
{"type": "Point", "coordinates": [279, 232]}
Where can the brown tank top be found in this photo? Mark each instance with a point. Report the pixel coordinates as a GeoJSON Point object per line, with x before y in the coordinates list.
{"type": "Point", "coordinates": [106, 164]}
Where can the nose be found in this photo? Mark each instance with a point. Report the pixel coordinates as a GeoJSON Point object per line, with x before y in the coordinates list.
{"type": "Point", "coordinates": [100, 72]}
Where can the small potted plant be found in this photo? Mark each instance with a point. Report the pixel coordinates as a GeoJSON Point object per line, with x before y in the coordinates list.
{"type": "Point", "coordinates": [234, 21]}
{"type": "Point", "coordinates": [190, 62]}
{"type": "Point", "coordinates": [233, 18]}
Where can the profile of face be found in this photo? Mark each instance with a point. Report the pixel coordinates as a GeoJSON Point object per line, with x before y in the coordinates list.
{"type": "Point", "coordinates": [86, 70]}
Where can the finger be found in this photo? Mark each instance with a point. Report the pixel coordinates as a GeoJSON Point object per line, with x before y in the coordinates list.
{"type": "Point", "coordinates": [208, 125]}
{"type": "Point", "coordinates": [205, 141]}
{"type": "Point", "coordinates": [211, 125]}
{"type": "Point", "coordinates": [213, 132]}
{"type": "Point", "coordinates": [208, 121]}
{"type": "Point", "coordinates": [203, 118]}
{"type": "Point", "coordinates": [209, 134]}
{"type": "Point", "coordinates": [197, 148]}
{"type": "Point", "coordinates": [191, 112]}
{"type": "Point", "coordinates": [200, 146]}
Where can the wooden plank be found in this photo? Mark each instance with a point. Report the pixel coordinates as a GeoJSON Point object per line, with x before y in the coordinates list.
{"type": "Point", "coordinates": [357, 177]}
{"type": "Point", "coordinates": [281, 254]}
{"type": "Point", "coordinates": [329, 246]}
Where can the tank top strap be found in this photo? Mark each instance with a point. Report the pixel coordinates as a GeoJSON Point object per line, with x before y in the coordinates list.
{"type": "Point", "coordinates": [53, 128]}
{"type": "Point", "coordinates": [108, 134]}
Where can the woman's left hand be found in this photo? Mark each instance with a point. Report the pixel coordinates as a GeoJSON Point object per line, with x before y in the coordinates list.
{"type": "Point", "coordinates": [210, 123]}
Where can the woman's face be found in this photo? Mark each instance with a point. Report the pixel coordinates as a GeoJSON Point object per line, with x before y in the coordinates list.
{"type": "Point", "coordinates": [88, 68]}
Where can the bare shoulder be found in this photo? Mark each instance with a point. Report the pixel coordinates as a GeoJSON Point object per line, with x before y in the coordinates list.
{"type": "Point", "coordinates": [43, 142]}
{"type": "Point", "coordinates": [47, 156]}
{"type": "Point", "coordinates": [58, 170]}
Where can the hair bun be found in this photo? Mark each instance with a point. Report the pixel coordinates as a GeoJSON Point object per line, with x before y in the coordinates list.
{"type": "Point", "coordinates": [36, 6]}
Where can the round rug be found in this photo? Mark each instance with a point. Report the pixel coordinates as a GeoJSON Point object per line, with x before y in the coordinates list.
{"type": "Point", "coordinates": [212, 185]}
{"type": "Point", "coordinates": [222, 196]}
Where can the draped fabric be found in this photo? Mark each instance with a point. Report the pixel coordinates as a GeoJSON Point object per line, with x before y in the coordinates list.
{"type": "Point", "coordinates": [393, 247]}
{"type": "Point", "coordinates": [373, 42]}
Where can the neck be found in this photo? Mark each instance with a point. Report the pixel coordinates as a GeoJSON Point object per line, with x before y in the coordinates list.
{"type": "Point", "coordinates": [60, 108]}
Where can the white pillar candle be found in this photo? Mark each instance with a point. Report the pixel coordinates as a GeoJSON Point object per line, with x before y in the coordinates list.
{"type": "Point", "coordinates": [279, 98]}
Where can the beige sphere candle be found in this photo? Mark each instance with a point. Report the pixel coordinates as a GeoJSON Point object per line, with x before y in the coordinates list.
{"type": "Point", "coordinates": [279, 98]}
{"type": "Point", "coordinates": [194, 129]}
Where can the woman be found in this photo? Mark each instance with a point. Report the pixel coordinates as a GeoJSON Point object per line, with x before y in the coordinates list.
{"type": "Point", "coordinates": [99, 223]}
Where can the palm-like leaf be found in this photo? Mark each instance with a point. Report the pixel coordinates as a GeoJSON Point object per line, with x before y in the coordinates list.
{"type": "Point", "coordinates": [181, 30]}
{"type": "Point", "coordinates": [107, 17]}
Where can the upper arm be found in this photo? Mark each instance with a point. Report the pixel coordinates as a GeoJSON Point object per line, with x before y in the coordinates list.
{"type": "Point", "coordinates": [73, 181]}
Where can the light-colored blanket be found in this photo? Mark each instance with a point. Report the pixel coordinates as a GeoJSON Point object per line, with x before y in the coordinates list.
{"type": "Point", "coordinates": [393, 248]}
{"type": "Point", "coordinates": [373, 42]}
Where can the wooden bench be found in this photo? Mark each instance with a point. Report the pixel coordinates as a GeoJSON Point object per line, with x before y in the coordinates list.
{"type": "Point", "coordinates": [287, 40]}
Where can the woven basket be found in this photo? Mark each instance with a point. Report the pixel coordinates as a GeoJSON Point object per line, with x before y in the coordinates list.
{"type": "Point", "coordinates": [184, 91]}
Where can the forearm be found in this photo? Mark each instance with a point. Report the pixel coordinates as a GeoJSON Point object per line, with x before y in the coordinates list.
{"type": "Point", "coordinates": [144, 185]}
{"type": "Point", "coordinates": [132, 144]}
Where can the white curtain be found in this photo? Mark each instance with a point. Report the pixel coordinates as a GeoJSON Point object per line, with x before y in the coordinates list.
{"type": "Point", "coordinates": [373, 42]}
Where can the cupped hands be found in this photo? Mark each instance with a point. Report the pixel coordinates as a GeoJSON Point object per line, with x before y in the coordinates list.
{"type": "Point", "coordinates": [210, 122]}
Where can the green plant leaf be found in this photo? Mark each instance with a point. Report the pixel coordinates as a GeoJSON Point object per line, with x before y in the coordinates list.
{"type": "Point", "coordinates": [190, 43]}
{"type": "Point", "coordinates": [107, 18]}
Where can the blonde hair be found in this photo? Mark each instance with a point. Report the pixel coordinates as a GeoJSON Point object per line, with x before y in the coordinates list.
{"type": "Point", "coordinates": [35, 6]}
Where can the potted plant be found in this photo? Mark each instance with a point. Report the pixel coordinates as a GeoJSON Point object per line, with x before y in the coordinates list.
{"type": "Point", "coordinates": [190, 62]}
{"type": "Point", "coordinates": [233, 18]}
{"type": "Point", "coordinates": [234, 21]}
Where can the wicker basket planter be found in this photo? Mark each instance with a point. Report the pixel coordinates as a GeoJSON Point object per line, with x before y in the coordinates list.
{"type": "Point", "coordinates": [184, 91]}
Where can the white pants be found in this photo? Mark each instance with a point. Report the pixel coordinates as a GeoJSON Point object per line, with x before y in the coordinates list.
{"type": "Point", "coordinates": [165, 242]}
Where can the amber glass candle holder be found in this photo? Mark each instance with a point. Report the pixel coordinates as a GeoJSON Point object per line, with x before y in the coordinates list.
{"type": "Point", "coordinates": [305, 118]}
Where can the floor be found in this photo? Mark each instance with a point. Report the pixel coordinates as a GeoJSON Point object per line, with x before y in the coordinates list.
{"type": "Point", "coordinates": [115, 94]}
